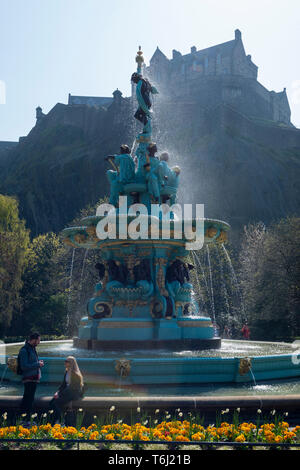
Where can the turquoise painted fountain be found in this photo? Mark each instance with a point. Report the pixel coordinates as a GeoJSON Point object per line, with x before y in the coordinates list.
{"type": "Point", "coordinates": [143, 326]}
{"type": "Point", "coordinates": [144, 296]}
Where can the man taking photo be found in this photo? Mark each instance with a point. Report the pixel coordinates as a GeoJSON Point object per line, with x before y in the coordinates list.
{"type": "Point", "coordinates": [30, 366]}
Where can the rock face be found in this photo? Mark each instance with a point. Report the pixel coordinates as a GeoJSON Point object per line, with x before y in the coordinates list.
{"type": "Point", "coordinates": [59, 167]}
{"type": "Point", "coordinates": [242, 169]}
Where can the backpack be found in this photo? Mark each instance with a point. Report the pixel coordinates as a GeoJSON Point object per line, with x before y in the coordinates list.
{"type": "Point", "coordinates": [14, 365]}
{"type": "Point", "coordinates": [18, 369]}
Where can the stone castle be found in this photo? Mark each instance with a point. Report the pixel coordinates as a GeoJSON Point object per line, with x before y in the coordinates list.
{"type": "Point", "coordinates": [209, 77]}
{"type": "Point", "coordinates": [219, 74]}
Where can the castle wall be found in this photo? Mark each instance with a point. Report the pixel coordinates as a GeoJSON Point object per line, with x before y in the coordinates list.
{"type": "Point", "coordinates": [238, 125]}
{"type": "Point", "coordinates": [241, 64]}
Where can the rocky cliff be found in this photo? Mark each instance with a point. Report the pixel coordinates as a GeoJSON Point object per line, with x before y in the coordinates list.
{"type": "Point", "coordinates": [59, 168]}
{"type": "Point", "coordinates": [243, 170]}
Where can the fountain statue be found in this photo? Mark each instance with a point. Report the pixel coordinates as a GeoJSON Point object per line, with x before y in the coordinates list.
{"type": "Point", "coordinates": [144, 295]}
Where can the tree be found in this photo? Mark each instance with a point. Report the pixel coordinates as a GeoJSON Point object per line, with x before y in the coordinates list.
{"type": "Point", "coordinates": [270, 277]}
{"type": "Point", "coordinates": [43, 292]}
{"type": "Point", "coordinates": [14, 241]}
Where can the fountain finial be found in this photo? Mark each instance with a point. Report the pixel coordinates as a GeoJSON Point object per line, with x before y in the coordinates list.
{"type": "Point", "coordinates": [139, 60]}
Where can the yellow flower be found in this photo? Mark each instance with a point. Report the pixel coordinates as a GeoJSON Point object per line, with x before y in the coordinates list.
{"type": "Point", "coordinates": [198, 436]}
{"type": "Point", "coordinates": [240, 438]}
{"type": "Point", "coordinates": [181, 438]}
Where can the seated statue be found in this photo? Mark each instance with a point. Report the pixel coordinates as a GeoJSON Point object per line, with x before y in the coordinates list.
{"type": "Point", "coordinates": [118, 275]}
{"type": "Point", "coordinates": [100, 267]}
{"type": "Point", "coordinates": [178, 278]}
{"type": "Point", "coordinates": [142, 278]}
{"type": "Point", "coordinates": [168, 179]}
{"type": "Point", "coordinates": [124, 173]}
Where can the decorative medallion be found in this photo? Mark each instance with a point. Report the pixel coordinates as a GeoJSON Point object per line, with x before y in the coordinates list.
{"type": "Point", "coordinates": [123, 367]}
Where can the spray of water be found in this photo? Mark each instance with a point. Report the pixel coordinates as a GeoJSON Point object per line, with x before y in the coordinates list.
{"type": "Point", "coordinates": [223, 287]}
{"type": "Point", "coordinates": [70, 289]}
{"type": "Point", "coordinates": [235, 281]}
{"type": "Point", "coordinates": [196, 257]}
{"type": "Point", "coordinates": [81, 274]}
{"type": "Point", "coordinates": [197, 279]}
{"type": "Point", "coordinates": [211, 285]}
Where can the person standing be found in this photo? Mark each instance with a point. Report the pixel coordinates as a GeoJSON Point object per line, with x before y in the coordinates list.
{"type": "Point", "coordinates": [245, 332]}
{"type": "Point", "coordinates": [30, 366]}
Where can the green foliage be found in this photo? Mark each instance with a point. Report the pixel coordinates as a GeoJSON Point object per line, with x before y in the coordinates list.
{"type": "Point", "coordinates": [52, 301]}
{"type": "Point", "coordinates": [270, 278]}
{"type": "Point", "coordinates": [43, 293]}
{"type": "Point", "coordinates": [14, 241]}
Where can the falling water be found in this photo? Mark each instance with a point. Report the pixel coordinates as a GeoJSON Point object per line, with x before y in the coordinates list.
{"type": "Point", "coordinates": [211, 286]}
{"type": "Point", "coordinates": [223, 284]}
{"type": "Point", "coordinates": [197, 278]}
{"type": "Point", "coordinates": [120, 379]}
{"type": "Point", "coordinates": [196, 257]}
{"type": "Point", "coordinates": [252, 375]}
{"type": "Point", "coordinates": [236, 283]}
{"type": "Point", "coordinates": [82, 273]}
{"type": "Point", "coordinates": [70, 288]}
{"type": "Point", "coordinates": [133, 148]}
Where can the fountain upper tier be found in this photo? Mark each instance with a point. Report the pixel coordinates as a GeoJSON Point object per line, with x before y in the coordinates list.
{"type": "Point", "coordinates": [85, 235]}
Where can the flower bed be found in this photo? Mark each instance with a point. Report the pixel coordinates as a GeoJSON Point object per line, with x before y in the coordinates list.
{"type": "Point", "coordinates": [165, 431]}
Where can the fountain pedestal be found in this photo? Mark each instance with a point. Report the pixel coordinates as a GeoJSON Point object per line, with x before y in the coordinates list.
{"type": "Point", "coordinates": [134, 334]}
{"type": "Point", "coordinates": [144, 298]}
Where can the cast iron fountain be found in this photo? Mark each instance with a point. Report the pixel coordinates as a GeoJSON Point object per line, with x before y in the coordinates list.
{"type": "Point", "coordinates": [144, 299]}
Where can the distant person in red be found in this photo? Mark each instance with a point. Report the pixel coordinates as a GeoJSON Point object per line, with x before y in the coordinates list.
{"type": "Point", "coordinates": [245, 331]}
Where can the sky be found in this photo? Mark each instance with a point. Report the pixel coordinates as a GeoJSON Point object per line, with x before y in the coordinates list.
{"type": "Point", "coordinates": [50, 48]}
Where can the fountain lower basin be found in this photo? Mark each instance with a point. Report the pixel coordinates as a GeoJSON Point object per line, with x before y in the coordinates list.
{"type": "Point", "coordinates": [236, 362]}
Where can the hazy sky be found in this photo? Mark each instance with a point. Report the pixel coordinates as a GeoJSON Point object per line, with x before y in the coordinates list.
{"type": "Point", "coordinates": [49, 48]}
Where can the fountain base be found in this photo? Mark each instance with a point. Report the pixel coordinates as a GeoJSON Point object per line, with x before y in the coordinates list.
{"type": "Point", "coordinates": [172, 345]}
{"type": "Point", "coordinates": [122, 333]}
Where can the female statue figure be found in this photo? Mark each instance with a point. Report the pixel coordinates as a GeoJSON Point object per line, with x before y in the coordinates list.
{"type": "Point", "coordinates": [124, 173]}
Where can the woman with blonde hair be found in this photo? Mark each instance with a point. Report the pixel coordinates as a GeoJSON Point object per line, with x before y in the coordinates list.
{"type": "Point", "coordinates": [71, 388]}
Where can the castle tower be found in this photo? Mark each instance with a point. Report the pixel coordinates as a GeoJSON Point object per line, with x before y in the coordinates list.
{"type": "Point", "coordinates": [39, 114]}
{"type": "Point", "coordinates": [117, 94]}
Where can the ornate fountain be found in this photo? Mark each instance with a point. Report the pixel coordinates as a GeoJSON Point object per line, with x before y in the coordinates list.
{"type": "Point", "coordinates": [144, 295]}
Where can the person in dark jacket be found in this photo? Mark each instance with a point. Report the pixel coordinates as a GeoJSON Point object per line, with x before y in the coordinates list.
{"type": "Point", "coordinates": [30, 366]}
{"type": "Point", "coordinates": [70, 389]}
